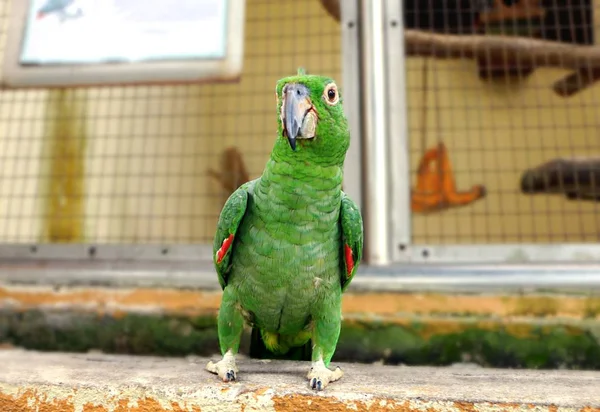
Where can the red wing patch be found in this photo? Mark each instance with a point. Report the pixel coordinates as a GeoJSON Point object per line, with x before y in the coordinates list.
{"type": "Point", "coordinates": [349, 260]}
{"type": "Point", "coordinates": [224, 248]}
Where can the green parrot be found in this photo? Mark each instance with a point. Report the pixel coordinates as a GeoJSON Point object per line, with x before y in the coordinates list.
{"type": "Point", "coordinates": [288, 243]}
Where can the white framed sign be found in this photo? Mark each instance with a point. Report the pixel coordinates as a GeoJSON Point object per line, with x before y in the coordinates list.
{"type": "Point", "coordinates": [65, 43]}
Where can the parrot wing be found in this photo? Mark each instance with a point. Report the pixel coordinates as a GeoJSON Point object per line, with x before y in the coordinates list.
{"type": "Point", "coordinates": [229, 221]}
{"type": "Point", "coordinates": [352, 239]}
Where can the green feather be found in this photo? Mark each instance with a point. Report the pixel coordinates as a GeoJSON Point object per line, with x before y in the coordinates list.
{"type": "Point", "coordinates": [285, 272]}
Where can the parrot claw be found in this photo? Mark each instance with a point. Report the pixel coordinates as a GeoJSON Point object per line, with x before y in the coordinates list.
{"type": "Point", "coordinates": [316, 384]}
{"type": "Point", "coordinates": [226, 368]}
{"type": "Point", "coordinates": [320, 376]}
{"type": "Point", "coordinates": [230, 375]}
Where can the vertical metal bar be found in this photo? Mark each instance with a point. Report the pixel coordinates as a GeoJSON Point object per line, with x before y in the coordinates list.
{"type": "Point", "coordinates": [374, 137]}
{"type": "Point", "coordinates": [351, 93]}
{"type": "Point", "coordinates": [399, 153]}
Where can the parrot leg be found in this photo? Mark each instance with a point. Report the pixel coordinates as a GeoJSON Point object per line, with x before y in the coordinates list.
{"type": "Point", "coordinates": [326, 331]}
{"type": "Point", "coordinates": [230, 326]}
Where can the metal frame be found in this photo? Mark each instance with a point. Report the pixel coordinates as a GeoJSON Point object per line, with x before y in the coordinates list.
{"type": "Point", "coordinates": [375, 118]}
{"type": "Point", "coordinates": [106, 253]}
{"type": "Point", "coordinates": [404, 278]}
{"type": "Point", "coordinates": [227, 68]}
{"type": "Point", "coordinates": [403, 248]}
{"type": "Point", "coordinates": [510, 253]}
{"type": "Point", "coordinates": [353, 170]}
{"type": "Point", "coordinates": [399, 140]}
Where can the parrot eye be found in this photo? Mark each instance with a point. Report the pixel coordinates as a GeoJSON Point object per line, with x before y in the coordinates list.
{"type": "Point", "coordinates": [331, 94]}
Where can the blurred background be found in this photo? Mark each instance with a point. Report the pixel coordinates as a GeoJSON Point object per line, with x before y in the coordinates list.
{"type": "Point", "coordinates": [487, 251]}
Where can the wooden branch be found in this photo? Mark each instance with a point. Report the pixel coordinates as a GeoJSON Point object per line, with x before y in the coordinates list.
{"type": "Point", "coordinates": [541, 53]}
{"type": "Point", "coordinates": [576, 82]}
{"type": "Point", "coordinates": [583, 60]}
{"type": "Point", "coordinates": [574, 177]}
{"type": "Point", "coordinates": [232, 173]}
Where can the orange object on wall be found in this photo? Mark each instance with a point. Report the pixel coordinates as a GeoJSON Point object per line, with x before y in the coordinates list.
{"type": "Point", "coordinates": [436, 188]}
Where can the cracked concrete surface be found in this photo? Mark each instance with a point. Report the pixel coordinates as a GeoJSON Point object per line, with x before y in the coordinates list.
{"type": "Point", "coordinates": [59, 382]}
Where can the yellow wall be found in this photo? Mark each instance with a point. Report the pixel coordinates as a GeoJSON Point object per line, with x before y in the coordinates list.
{"type": "Point", "coordinates": [149, 148]}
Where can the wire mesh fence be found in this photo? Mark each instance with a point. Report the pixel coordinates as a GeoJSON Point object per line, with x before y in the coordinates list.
{"type": "Point", "coordinates": [151, 164]}
{"type": "Point", "coordinates": [504, 149]}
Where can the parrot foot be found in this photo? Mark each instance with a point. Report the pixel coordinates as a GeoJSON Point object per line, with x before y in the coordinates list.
{"type": "Point", "coordinates": [319, 376]}
{"type": "Point", "coordinates": [226, 368]}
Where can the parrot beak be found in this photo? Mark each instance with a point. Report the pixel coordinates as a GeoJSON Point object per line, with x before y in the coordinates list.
{"type": "Point", "coordinates": [298, 116]}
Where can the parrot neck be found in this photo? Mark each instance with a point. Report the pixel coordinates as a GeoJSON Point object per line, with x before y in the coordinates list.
{"type": "Point", "coordinates": [298, 185]}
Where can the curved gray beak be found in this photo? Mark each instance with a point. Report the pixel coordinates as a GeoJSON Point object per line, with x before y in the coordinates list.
{"type": "Point", "coordinates": [296, 104]}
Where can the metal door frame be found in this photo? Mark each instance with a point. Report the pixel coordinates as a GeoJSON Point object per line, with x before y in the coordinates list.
{"type": "Point", "coordinates": [387, 16]}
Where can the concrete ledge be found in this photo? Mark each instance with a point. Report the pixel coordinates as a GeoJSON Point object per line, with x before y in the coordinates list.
{"type": "Point", "coordinates": [55, 382]}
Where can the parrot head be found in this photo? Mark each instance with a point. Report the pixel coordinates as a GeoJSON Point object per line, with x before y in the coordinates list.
{"type": "Point", "coordinates": [311, 119]}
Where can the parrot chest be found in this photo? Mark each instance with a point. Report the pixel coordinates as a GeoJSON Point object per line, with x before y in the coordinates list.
{"type": "Point", "coordinates": [287, 253]}
{"type": "Point", "coordinates": [281, 271]}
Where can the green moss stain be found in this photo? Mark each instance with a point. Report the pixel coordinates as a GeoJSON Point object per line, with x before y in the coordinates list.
{"type": "Point", "coordinates": [542, 347]}
{"type": "Point", "coordinates": [64, 175]}
{"type": "Point", "coordinates": [136, 334]}
{"type": "Point", "coordinates": [415, 343]}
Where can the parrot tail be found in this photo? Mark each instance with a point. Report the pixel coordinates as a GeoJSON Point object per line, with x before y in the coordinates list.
{"type": "Point", "coordinates": [258, 349]}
